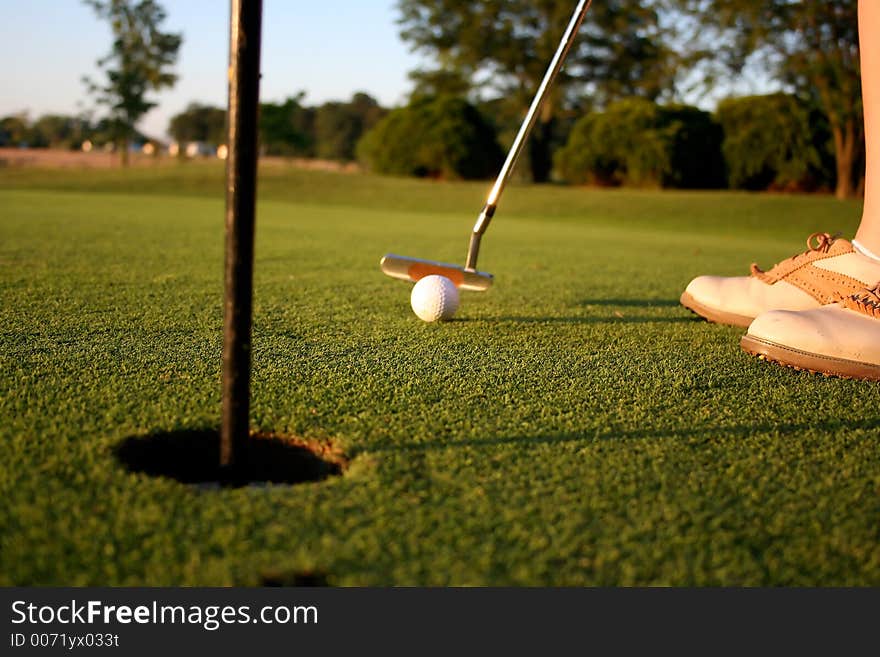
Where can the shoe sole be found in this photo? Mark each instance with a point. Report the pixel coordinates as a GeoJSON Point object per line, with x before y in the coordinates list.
{"type": "Point", "coordinates": [712, 315]}
{"type": "Point", "coordinates": [809, 362]}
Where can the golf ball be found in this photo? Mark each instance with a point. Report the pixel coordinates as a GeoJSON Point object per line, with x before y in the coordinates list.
{"type": "Point", "coordinates": [434, 298]}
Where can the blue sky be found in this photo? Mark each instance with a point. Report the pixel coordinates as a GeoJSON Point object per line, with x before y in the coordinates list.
{"type": "Point", "coordinates": [328, 48]}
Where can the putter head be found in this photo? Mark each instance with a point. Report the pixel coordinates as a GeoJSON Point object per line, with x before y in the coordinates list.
{"type": "Point", "coordinates": [414, 269]}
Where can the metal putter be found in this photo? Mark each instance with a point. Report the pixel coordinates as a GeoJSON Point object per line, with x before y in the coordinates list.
{"type": "Point", "coordinates": [467, 277]}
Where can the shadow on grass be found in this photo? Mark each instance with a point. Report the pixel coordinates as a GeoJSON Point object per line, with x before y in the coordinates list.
{"type": "Point", "coordinates": [632, 303]}
{"type": "Point", "coordinates": [611, 319]}
{"type": "Point", "coordinates": [193, 457]}
{"type": "Point", "coordinates": [740, 431]}
{"type": "Point", "coordinates": [614, 317]}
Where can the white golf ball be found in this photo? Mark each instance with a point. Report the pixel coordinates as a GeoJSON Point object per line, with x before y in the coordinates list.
{"type": "Point", "coordinates": [434, 297]}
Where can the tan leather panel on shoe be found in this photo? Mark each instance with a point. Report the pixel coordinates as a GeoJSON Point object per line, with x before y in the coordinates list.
{"type": "Point", "coordinates": [826, 246]}
{"type": "Point", "coordinates": [823, 285]}
{"type": "Point", "coordinates": [829, 270]}
{"type": "Point", "coordinates": [826, 284]}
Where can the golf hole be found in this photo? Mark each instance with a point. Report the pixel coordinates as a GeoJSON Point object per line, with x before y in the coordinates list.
{"type": "Point", "coordinates": [193, 457]}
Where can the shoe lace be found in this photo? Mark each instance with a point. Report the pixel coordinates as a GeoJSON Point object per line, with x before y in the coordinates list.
{"type": "Point", "coordinates": [866, 300]}
{"type": "Point", "coordinates": [816, 243]}
{"type": "Point", "coordinates": [823, 242]}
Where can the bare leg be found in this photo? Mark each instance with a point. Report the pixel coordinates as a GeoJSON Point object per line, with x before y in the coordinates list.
{"type": "Point", "coordinates": [868, 234]}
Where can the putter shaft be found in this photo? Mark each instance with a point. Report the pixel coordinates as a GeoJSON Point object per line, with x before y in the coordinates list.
{"type": "Point", "coordinates": [467, 277]}
{"type": "Point", "coordinates": [525, 129]}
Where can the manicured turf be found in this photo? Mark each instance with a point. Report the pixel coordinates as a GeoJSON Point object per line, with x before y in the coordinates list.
{"type": "Point", "coordinates": [574, 426]}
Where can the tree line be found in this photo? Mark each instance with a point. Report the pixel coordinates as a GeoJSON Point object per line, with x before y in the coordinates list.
{"type": "Point", "coordinates": [763, 142]}
{"type": "Point", "coordinates": [290, 128]}
{"type": "Point", "coordinates": [59, 131]}
{"type": "Point", "coordinates": [774, 141]}
{"type": "Point", "coordinates": [656, 50]}
{"type": "Point", "coordinates": [631, 65]}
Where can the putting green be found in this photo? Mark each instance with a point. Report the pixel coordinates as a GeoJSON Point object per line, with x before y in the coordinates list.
{"type": "Point", "coordinates": [574, 426]}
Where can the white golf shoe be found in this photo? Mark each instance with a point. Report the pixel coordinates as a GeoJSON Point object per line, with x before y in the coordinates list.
{"type": "Point", "coordinates": [841, 339]}
{"type": "Point", "coordinates": [829, 270]}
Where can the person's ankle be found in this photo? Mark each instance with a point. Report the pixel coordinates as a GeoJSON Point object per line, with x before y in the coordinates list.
{"type": "Point", "coordinates": [868, 250]}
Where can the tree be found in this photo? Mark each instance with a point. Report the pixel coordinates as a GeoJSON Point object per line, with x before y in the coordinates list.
{"type": "Point", "coordinates": [201, 123]}
{"type": "Point", "coordinates": [367, 108]}
{"type": "Point", "coordinates": [140, 60]}
{"type": "Point", "coordinates": [810, 47]}
{"type": "Point", "coordinates": [503, 47]}
{"type": "Point", "coordinates": [439, 82]}
{"type": "Point", "coordinates": [639, 143]}
{"type": "Point", "coordinates": [767, 142]}
{"type": "Point", "coordinates": [339, 126]}
{"type": "Point", "coordinates": [57, 131]}
{"type": "Point", "coordinates": [14, 130]}
{"type": "Point", "coordinates": [443, 137]}
{"type": "Point", "coordinates": [48, 131]}
{"type": "Point", "coordinates": [288, 128]}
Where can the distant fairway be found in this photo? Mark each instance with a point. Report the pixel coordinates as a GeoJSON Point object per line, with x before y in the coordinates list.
{"type": "Point", "coordinates": [574, 427]}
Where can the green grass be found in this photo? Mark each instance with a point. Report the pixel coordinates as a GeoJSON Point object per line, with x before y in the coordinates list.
{"type": "Point", "coordinates": [575, 426]}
